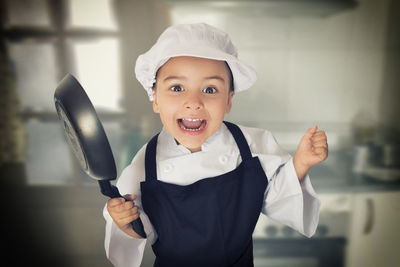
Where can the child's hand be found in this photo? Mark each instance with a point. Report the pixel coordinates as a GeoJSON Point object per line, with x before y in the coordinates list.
{"type": "Point", "coordinates": [312, 149]}
{"type": "Point", "coordinates": [123, 211]}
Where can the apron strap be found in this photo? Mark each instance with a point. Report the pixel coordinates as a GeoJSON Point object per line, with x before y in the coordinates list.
{"type": "Point", "coordinates": [241, 142]}
{"type": "Point", "coordinates": [150, 159]}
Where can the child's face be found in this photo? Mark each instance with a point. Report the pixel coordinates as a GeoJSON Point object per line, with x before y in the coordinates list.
{"type": "Point", "coordinates": [192, 96]}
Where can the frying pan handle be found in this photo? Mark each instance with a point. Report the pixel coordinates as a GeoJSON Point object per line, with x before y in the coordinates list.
{"type": "Point", "coordinates": [111, 191]}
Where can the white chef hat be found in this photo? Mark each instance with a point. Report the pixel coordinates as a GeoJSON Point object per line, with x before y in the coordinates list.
{"type": "Point", "coordinates": [196, 40]}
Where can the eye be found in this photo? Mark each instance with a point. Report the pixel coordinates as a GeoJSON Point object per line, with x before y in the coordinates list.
{"type": "Point", "coordinates": [177, 88]}
{"type": "Point", "coordinates": [209, 90]}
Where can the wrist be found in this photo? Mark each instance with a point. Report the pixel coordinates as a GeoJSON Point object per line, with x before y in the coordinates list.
{"type": "Point", "coordinates": [300, 168]}
{"type": "Point", "coordinates": [129, 231]}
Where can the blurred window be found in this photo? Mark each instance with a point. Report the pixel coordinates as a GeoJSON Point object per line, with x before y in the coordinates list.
{"type": "Point", "coordinates": [98, 67]}
{"type": "Point", "coordinates": [36, 78]}
{"type": "Point", "coordinates": [48, 158]}
{"type": "Point", "coordinates": [45, 40]}
{"type": "Point", "coordinates": [91, 13]}
{"type": "Point", "coordinates": [27, 13]}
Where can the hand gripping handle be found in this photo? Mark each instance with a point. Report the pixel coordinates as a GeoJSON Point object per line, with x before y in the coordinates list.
{"type": "Point", "coordinates": [111, 191]}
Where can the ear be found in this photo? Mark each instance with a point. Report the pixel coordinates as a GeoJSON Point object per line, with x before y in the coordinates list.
{"type": "Point", "coordinates": [229, 104]}
{"type": "Point", "coordinates": [156, 109]}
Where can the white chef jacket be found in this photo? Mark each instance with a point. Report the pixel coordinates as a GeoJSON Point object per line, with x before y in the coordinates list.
{"type": "Point", "coordinates": [286, 199]}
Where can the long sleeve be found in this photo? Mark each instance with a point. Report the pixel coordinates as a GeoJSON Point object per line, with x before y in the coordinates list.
{"type": "Point", "coordinates": [286, 199]}
{"type": "Point", "coordinates": [121, 249]}
{"type": "Point", "coordinates": [292, 202]}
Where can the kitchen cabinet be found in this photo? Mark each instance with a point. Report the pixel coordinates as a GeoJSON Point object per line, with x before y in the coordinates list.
{"type": "Point", "coordinates": [374, 234]}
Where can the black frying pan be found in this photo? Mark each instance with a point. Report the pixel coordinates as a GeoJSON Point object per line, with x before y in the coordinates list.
{"type": "Point", "coordinates": [87, 139]}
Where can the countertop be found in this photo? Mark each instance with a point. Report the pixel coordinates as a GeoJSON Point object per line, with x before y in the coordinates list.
{"type": "Point", "coordinates": [352, 184]}
{"type": "Point", "coordinates": [335, 175]}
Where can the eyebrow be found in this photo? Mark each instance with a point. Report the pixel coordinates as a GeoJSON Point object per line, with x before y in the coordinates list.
{"type": "Point", "coordinates": [216, 77]}
{"type": "Point", "coordinates": [175, 78]}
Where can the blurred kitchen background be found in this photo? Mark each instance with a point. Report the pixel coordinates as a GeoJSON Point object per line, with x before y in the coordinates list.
{"type": "Point", "coordinates": [334, 63]}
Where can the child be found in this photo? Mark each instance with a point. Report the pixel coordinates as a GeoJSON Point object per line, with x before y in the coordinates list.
{"type": "Point", "coordinates": [200, 185]}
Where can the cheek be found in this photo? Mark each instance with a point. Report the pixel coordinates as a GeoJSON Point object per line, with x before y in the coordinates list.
{"type": "Point", "coordinates": [167, 108]}
{"type": "Point", "coordinates": [225, 105]}
{"type": "Point", "coordinates": [227, 108]}
{"type": "Point", "coordinates": [219, 108]}
{"type": "Point", "coordinates": [229, 103]}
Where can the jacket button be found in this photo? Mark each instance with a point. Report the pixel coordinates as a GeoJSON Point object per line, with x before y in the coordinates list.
{"type": "Point", "coordinates": [223, 159]}
{"type": "Point", "coordinates": [168, 168]}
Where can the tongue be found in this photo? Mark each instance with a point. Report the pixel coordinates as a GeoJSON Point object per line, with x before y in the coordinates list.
{"type": "Point", "coordinates": [191, 124]}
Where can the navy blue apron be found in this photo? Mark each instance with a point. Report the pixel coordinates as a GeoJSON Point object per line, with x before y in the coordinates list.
{"type": "Point", "coordinates": [209, 222]}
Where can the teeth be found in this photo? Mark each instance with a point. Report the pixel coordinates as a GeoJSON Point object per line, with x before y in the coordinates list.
{"type": "Point", "coordinates": [191, 130]}
{"type": "Point", "coordinates": [188, 119]}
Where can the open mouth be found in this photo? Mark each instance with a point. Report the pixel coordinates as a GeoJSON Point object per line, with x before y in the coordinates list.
{"type": "Point", "coordinates": [192, 125]}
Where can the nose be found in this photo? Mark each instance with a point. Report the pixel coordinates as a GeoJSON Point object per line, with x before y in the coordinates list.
{"type": "Point", "coordinates": [193, 102]}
